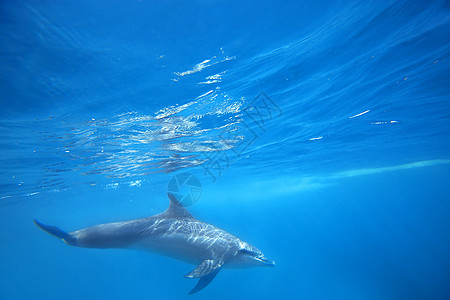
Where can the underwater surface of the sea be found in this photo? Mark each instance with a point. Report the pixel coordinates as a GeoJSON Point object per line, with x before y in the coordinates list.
{"type": "Point", "coordinates": [319, 132]}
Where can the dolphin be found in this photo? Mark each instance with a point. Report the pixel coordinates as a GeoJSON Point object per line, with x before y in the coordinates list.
{"type": "Point", "coordinates": [174, 233]}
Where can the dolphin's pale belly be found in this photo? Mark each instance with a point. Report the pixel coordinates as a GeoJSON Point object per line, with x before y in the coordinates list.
{"type": "Point", "coordinates": [177, 246]}
{"type": "Point", "coordinates": [189, 241]}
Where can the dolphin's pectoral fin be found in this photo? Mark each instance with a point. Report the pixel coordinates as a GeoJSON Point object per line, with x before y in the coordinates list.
{"type": "Point", "coordinates": [204, 268]}
{"type": "Point", "coordinates": [206, 271]}
{"type": "Point", "coordinates": [204, 281]}
{"type": "Point", "coordinates": [55, 231]}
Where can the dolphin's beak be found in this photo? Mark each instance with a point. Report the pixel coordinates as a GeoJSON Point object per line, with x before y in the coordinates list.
{"type": "Point", "coordinates": [267, 262]}
{"type": "Point", "coordinates": [270, 263]}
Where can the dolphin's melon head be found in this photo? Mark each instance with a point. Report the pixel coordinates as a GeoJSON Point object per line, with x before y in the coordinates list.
{"type": "Point", "coordinates": [250, 256]}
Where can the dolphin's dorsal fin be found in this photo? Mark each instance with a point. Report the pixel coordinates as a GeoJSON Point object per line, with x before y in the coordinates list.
{"type": "Point", "coordinates": [176, 209]}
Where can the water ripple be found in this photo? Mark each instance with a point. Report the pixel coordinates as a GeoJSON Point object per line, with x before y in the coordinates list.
{"type": "Point", "coordinates": [126, 145]}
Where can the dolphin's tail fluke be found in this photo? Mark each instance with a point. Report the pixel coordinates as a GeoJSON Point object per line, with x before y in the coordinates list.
{"type": "Point", "coordinates": [55, 231]}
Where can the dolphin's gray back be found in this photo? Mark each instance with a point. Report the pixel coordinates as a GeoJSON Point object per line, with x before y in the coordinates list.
{"type": "Point", "coordinates": [111, 235]}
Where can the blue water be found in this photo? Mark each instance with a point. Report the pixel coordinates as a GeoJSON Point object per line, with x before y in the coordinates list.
{"type": "Point", "coordinates": [320, 132]}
